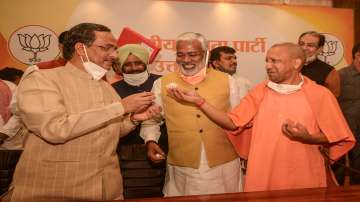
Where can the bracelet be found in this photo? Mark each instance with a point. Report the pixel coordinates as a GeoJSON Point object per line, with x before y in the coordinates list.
{"type": "Point", "coordinates": [200, 103]}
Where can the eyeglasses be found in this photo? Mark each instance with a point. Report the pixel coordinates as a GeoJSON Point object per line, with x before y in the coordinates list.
{"type": "Point", "coordinates": [106, 48]}
{"type": "Point", "coordinates": [189, 54]}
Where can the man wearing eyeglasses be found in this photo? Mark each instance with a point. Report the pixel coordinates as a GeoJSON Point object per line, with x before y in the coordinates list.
{"type": "Point", "coordinates": [76, 119]}
{"type": "Point", "coordinates": [201, 160]}
{"type": "Point", "coordinates": [322, 73]}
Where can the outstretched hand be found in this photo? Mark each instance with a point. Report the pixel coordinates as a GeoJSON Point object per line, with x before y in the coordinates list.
{"type": "Point", "coordinates": [191, 96]}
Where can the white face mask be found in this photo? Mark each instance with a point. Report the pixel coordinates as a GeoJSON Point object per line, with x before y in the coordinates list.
{"type": "Point", "coordinates": [285, 88]}
{"type": "Point", "coordinates": [96, 71]}
{"type": "Point", "coordinates": [136, 79]}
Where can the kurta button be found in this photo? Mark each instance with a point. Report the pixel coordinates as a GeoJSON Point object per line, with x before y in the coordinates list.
{"type": "Point", "coordinates": [196, 88]}
{"type": "Point", "coordinates": [201, 130]}
{"type": "Point", "coordinates": [198, 115]}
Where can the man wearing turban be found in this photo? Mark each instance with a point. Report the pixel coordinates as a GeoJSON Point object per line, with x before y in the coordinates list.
{"type": "Point", "coordinates": [133, 60]}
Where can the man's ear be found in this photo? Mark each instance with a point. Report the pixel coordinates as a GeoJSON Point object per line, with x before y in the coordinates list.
{"type": "Point", "coordinates": [79, 49]}
{"type": "Point", "coordinates": [357, 55]}
{"type": "Point", "coordinates": [215, 64]}
{"type": "Point", "coordinates": [297, 63]}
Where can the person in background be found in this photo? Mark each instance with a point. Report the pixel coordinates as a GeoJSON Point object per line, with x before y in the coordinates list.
{"type": "Point", "coordinates": [349, 101]}
{"type": "Point", "coordinates": [201, 160]}
{"type": "Point", "coordinates": [322, 73]}
{"type": "Point", "coordinates": [76, 120]}
{"type": "Point", "coordinates": [11, 74]}
{"type": "Point", "coordinates": [133, 61]}
{"type": "Point", "coordinates": [223, 58]}
{"type": "Point", "coordinates": [7, 90]}
{"type": "Point", "coordinates": [11, 131]}
{"type": "Point", "coordinates": [290, 117]}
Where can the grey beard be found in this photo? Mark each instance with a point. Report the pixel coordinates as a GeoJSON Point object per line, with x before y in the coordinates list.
{"type": "Point", "coordinates": [310, 59]}
{"type": "Point", "coordinates": [189, 72]}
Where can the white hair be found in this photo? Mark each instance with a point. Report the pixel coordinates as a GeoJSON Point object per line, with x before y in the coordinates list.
{"type": "Point", "coordinates": [190, 36]}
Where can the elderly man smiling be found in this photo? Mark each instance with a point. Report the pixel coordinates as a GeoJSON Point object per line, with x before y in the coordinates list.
{"type": "Point", "coordinates": [201, 160]}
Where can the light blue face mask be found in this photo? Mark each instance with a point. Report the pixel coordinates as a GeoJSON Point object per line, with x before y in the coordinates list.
{"type": "Point", "coordinates": [97, 72]}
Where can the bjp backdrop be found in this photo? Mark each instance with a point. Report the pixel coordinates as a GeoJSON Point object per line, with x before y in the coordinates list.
{"type": "Point", "coordinates": [29, 29]}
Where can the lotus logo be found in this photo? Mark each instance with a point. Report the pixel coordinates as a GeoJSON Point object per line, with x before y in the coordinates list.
{"type": "Point", "coordinates": [33, 44]}
{"type": "Point", "coordinates": [329, 49]}
{"type": "Point", "coordinates": [333, 50]}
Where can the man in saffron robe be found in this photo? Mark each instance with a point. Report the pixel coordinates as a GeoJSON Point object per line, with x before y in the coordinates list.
{"type": "Point", "coordinates": [291, 117]}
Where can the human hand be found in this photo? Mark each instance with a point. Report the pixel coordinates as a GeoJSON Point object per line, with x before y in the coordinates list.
{"type": "Point", "coordinates": [296, 132]}
{"type": "Point", "coordinates": [191, 96]}
{"type": "Point", "coordinates": [150, 112]}
{"type": "Point", "coordinates": [137, 102]}
{"type": "Point", "coordinates": [154, 152]}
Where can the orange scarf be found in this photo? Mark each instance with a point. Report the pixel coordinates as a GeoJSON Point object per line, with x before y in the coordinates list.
{"type": "Point", "coordinates": [196, 78]}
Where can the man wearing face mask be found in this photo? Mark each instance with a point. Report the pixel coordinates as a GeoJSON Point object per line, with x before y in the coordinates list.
{"type": "Point", "coordinates": [76, 119]}
{"type": "Point", "coordinates": [322, 73]}
{"type": "Point", "coordinates": [133, 60]}
{"type": "Point", "coordinates": [201, 160]}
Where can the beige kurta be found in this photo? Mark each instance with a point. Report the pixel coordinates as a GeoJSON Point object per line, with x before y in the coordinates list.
{"type": "Point", "coordinates": [76, 123]}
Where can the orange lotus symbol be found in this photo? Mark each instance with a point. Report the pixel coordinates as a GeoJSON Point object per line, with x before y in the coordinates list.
{"type": "Point", "coordinates": [35, 44]}
{"type": "Point", "coordinates": [329, 49]}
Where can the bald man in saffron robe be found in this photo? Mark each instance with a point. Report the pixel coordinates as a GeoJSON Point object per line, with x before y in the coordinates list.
{"type": "Point", "coordinates": [290, 118]}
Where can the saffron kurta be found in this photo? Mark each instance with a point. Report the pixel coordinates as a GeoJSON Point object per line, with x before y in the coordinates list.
{"type": "Point", "coordinates": [76, 123]}
{"type": "Point", "coordinates": [276, 162]}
